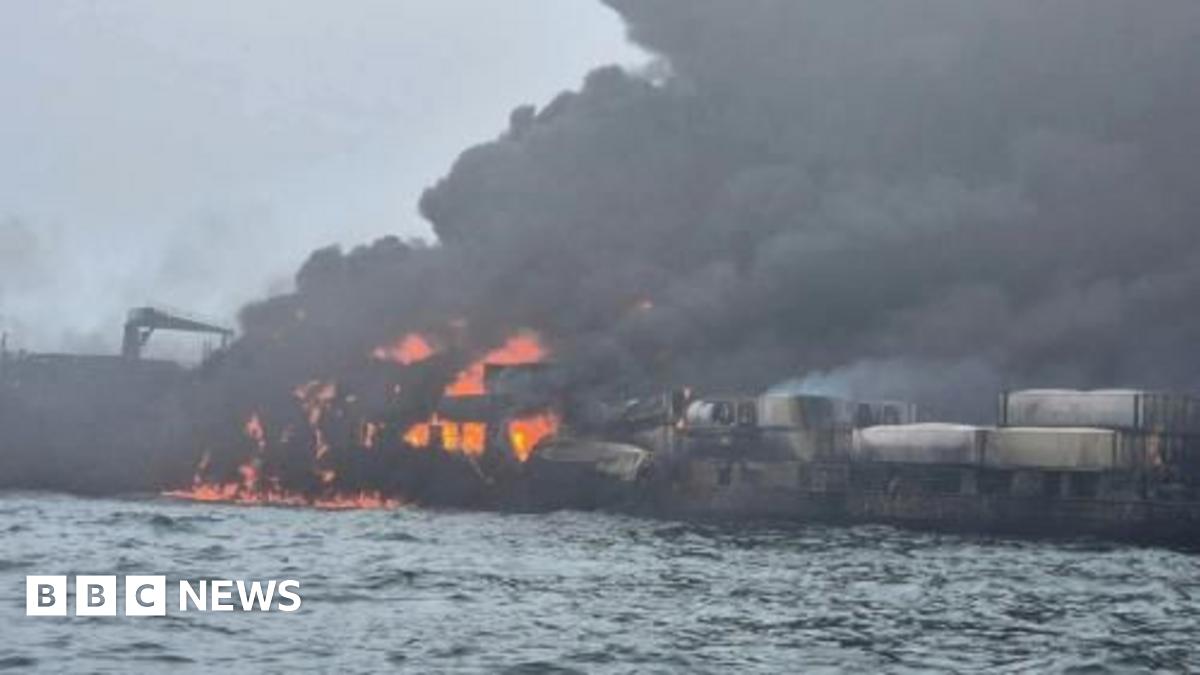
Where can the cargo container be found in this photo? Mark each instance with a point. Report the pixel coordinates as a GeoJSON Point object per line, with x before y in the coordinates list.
{"type": "Point", "coordinates": [1059, 449]}
{"type": "Point", "coordinates": [805, 411]}
{"type": "Point", "coordinates": [1126, 409]}
{"type": "Point", "coordinates": [1048, 448]}
{"type": "Point", "coordinates": [879, 413]}
{"type": "Point", "coordinates": [931, 443]}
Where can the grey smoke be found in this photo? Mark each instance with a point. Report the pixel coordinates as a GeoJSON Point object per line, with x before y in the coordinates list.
{"type": "Point", "coordinates": [903, 379]}
{"type": "Point", "coordinates": [193, 154]}
{"type": "Point", "coordinates": [882, 190]}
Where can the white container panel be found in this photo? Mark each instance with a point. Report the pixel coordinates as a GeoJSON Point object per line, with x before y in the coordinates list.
{"type": "Point", "coordinates": [1062, 449]}
{"type": "Point", "coordinates": [1104, 408]}
{"type": "Point", "coordinates": [954, 444]}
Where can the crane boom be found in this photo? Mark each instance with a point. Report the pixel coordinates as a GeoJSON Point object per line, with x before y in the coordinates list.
{"type": "Point", "coordinates": [143, 321]}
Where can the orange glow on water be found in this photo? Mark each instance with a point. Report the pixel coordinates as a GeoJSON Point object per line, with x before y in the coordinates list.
{"type": "Point", "coordinates": [232, 493]}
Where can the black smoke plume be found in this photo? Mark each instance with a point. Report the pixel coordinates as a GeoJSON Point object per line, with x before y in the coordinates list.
{"type": "Point", "coordinates": [932, 199]}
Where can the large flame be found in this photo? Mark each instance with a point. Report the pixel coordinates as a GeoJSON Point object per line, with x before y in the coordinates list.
{"type": "Point", "coordinates": [321, 402]}
{"type": "Point", "coordinates": [469, 438]}
{"type": "Point", "coordinates": [410, 349]}
{"type": "Point", "coordinates": [525, 433]}
{"type": "Point", "coordinates": [252, 489]}
{"type": "Point", "coordinates": [520, 349]}
{"type": "Point", "coordinates": [419, 435]}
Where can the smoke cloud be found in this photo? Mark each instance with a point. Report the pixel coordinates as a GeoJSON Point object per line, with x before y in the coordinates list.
{"type": "Point", "coordinates": [819, 187]}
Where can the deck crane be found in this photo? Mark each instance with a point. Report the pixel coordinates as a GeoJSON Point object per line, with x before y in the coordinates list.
{"type": "Point", "coordinates": [143, 321]}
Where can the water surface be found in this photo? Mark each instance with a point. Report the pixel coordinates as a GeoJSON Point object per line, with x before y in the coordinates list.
{"type": "Point", "coordinates": [438, 591]}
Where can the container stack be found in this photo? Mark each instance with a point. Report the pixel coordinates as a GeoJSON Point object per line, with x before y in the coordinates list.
{"type": "Point", "coordinates": [1056, 430]}
{"type": "Point", "coordinates": [807, 427]}
{"type": "Point", "coordinates": [1122, 429]}
{"type": "Point", "coordinates": [1121, 409]}
{"type": "Point", "coordinates": [1059, 449]}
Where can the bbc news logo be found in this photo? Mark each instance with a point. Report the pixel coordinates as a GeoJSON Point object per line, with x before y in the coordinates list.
{"type": "Point", "coordinates": [148, 596]}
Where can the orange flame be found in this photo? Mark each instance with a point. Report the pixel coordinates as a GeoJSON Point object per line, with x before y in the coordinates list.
{"type": "Point", "coordinates": [410, 349]}
{"type": "Point", "coordinates": [252, 490]}
{"type": "Point", "coordinates": [469, 438]}
{"type": "Point", "coordinates": [418, 435]}
{"type": "Point", "coordinates": [318, 399]}
{"type": "Point", "coordinates": [474, 438]}
{"type": "Point", "coordinates": [526, 432]}
{"type": "Point", "coordinates": [522, 348]}
{"type": "Point", "coordinates": [232, 493]}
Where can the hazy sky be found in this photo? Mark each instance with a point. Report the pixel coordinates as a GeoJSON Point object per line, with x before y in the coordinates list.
{"type": "Point", "coordinates": [192, 153]}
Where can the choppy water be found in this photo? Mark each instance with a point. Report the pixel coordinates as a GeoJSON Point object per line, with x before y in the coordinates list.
{"type": "Point", "coordinates": [429, 591]}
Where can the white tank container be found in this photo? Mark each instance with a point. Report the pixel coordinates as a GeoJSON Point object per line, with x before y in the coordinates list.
{"type": "Point", "coordinates": [930, 443]}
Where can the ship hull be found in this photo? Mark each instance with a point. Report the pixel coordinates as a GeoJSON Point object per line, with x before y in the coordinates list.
{"type": "Point", "coordinates": [841, 498]}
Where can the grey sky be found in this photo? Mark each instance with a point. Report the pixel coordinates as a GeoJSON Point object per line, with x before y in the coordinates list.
{"type": "Point", "coordinates": [193, 153]}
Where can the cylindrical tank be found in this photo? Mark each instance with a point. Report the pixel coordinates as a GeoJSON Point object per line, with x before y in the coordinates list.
{"type": "Point", "coordinates": [931, 443]}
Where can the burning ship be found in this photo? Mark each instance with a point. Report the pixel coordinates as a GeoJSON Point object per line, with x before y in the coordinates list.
{"type": "Point", "coordinates": [392, 434]}
{"type": "Point", "coordinates": [505, 432]}
{"type": "Point", "coordinates": [112, 424]}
